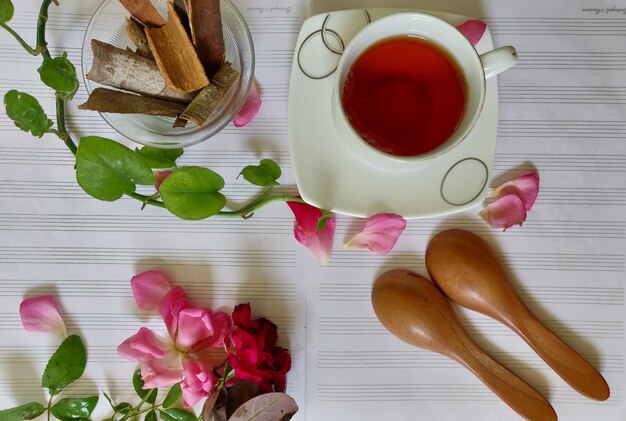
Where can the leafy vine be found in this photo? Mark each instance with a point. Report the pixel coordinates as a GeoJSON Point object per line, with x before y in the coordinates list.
{"type": "Point", "coordinates": [108, 170]}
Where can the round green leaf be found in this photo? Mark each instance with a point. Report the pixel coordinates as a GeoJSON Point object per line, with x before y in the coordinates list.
{"type": "Point", "coordinates": [60, 74]}
{"type": "Point", "coordinates": [172, 396]}
{"type": "Point", "coordinates": [160, 158]}
{"type": "Point", "coordinates": [26, 113]}
{"type": "Point", "coordinates": [151, 416]}
{"type": "Point", "coordinates": [23, 412]}
{"type": "Point", "coordinates": [264, 174]}
{"type": "Point", "coordinates": [193, 193]}
{"type": "Point", "coordinates": [6, 11]}
{"type": "Point", "coordinates": [176, 414]}
{"type": "Point", "coordinates": [107, 170]}
{"type": "Point", "coordinates": [138, 384]}
{"type": "Point", "coordinates": [74, 408]}
{"type": "Point", "coordinates": [65, 366]}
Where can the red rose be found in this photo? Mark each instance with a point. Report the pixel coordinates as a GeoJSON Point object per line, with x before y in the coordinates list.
{"type": "Point", "coordinates": [254, 355]}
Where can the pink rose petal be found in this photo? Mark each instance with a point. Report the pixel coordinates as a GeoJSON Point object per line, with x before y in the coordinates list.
{"type": "Point", "coordinates": [380, 233]}
{"type": "Point", "coordinates": [41, 314]}
{"type": "Point", "coordinates": [319, 243]}
{"type": "Point", "coordinates": [197, 326]}
{"type": "Point", "coordinates": [221, 327]}
{"type": "Point", "coordinates": [170, 306]}
{"type": "Point", "coordinates": [149, 288]}
{"type": "Point", "coordinates": [505, 212]}
{"type": "Point", "coordinates": [160, 177]}
{"type": "Point", "coordinates": [473, 30]}
{"type": "Point", "coordinates": [250, 108]}
{"type": "Point", "coordinates": [164, 371]}
{"type": "Point", "coordinates": [526, 187]}
{"type": "Point", "coordinates": [198, 382]}
{"type": "Point", "coordinates": [144, 345]}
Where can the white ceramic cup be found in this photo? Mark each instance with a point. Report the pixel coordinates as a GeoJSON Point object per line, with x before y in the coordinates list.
{"type": "Point", "coordinates": [475, 70]}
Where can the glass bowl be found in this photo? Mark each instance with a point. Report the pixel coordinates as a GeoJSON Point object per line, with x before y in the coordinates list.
{"type": "Point", "coordinates": [108, 25]}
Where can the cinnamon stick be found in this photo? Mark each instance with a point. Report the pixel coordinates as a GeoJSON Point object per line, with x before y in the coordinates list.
{"type": "Point", "coordinates": [137, 36]}
{"type": "Point", "coordinates": [209, 99]}
{"type": "Point", "coordinates": [144, 12]}
{"type": "Point", "coordinates": [205, 20]}
{"type": "Point", "coordinates": [179, 122]}
{"type": "Point", "coordinates": [175, 55]}
{"type": "Point", "coordinates": [110, 101]}
{"type": "Point", "coordinates": [121, 69]}
{"type": "Point", "coordinates": [181, 10]}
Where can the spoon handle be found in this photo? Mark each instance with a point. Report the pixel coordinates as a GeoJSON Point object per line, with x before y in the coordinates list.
{"type": "Point", "coordinates": [515, 392]}
{"type": "Point", "coordinates": [566, 362]}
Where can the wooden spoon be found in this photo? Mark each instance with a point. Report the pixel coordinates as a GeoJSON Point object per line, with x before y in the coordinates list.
{"type": "Point", "coordinates": [414, 310]}
{"type": "Point", "coordinates": [466, 269]}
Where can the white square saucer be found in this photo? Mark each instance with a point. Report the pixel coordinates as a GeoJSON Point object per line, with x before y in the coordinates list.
{"type": "Point", "coordinates": [331, 177]}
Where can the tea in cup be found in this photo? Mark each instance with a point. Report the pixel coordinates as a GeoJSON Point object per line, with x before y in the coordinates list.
{"type": "Point", "coordinates": [410, 87]}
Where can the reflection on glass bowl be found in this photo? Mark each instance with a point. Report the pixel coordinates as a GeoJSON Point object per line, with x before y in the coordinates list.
{"type": "Point", "coordinates": [108, 24]}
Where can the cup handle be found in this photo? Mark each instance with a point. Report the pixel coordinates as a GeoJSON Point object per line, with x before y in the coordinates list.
{"type": "Point", "coordinates": [498, 60]}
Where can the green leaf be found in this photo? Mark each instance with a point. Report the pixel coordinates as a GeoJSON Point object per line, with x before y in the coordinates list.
{"type": "Point", "coordinates": [74, 408]}
{"type": "Point", "coordinates": [109, 400]}
{"type": "Point", "coordinates": [23, 412]}
{"type": "Point", "coordinates": [123, 408]}
{"type": "Point", "coordinates": [6, 12]}
{"type": "Point", "coordinates": [160, 158]}
{"type": "Point", "coordinates": [141, 392]}
{"type": "Point", "coordinates": [65, 366]}
{"type": "Point", "coordinates": [193, 193]}
{"type": "Point", "coordinates": [176, 414]}
{"type": "Point", "coordinates": [264, 174]}
{"type": "Point", "coordinates": [107, 170]}
{"type": "Point", "coordinates": [60, 74]}
{"type": "Point", "coordinates": [151, 416]}
{"type": "Point", "coordinates": [173, 396]}
{"type": "Point", "coordinates": [26, 113]}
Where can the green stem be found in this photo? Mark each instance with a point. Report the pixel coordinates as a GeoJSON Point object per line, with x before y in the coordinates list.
{"type": "Point", "coordinates": [135, 413]}
{"type": "Point", "coordinates": [243, 212]}
{"type": "Point", "coordinates": [229, 372]}
{"type": "Point", "coordinates": [63, 134]}
{"type": "Point", "coordinates": [146, 199]}
{"type": "Point", "coordinates": [49, 407]}
{"type": "Point", "coordinates": [42, 47]}
{"type": "Point", "coordinates": [262, 197]}
{"type": "Point", "coordinates": [41, 28]}
{"type": "Point", "coordinates": [30, 50]}
{"type": "Point", "coordinates": [144, 399]}
{"type": "Point", "coordinates": [257, 204]}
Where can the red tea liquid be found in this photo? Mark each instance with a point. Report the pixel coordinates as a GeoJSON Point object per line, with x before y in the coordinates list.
{"type": "Point", "coordinates": [404, 96]}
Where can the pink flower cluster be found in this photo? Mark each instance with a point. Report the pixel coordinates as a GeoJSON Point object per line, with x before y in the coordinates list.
{"type": "Point", "coordinates": [200, 343]}
{"type": "Point", "coordinates": [193, 332]}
